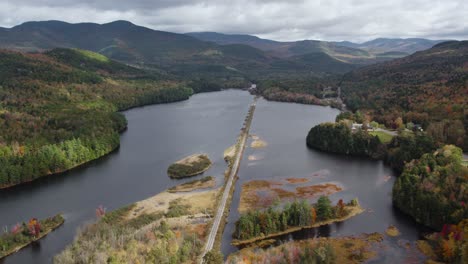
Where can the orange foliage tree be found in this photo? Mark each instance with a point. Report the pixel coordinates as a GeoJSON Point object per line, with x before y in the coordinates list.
{"type": "Point", "coordinates": [34, 227]}
{"type": "Point", "coordinates": [313, 213]}
{"type": "Point", "coordinates": [340, 207]}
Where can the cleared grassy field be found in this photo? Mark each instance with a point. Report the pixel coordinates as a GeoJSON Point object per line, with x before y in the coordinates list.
{"type": "Point", "coordinates": [384, 137]}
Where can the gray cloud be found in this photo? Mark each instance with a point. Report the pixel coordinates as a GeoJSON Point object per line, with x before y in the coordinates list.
{"type": "Point", "coordinates": [355, 20]}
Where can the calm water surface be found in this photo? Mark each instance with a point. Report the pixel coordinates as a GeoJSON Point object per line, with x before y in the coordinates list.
{"type": "Point", "coordinates": [284, 127]}
{"type": "Point", "coordinates": [209, 123]}
{"type": "Point", "coordinates": [157, 136]}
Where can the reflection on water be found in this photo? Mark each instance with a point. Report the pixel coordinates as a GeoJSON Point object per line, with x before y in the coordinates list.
{"type": "Point", "coordinates": [157, 136]}
{"type": "Point", "coordinates": [207, 123]}
{"type": "Point", "coordinates": [285, 126]}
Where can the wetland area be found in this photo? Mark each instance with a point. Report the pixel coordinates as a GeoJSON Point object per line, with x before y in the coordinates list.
{"type": "Point", "coordinates": [276, 154]}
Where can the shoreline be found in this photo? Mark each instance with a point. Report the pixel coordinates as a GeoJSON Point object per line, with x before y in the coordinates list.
{"type": "Point", "coordinates": [244, 243]}
{"type": "Point", "coordinates": [45, 233]}
{"type": "Point", "coordinates": [341, 108]}
{"type": "Point", "coordinates": [4, 187]}
{"type": "Point", "coordinates": [190, 161]}
{"type": "Point", "coordinates": [58, 173]}
{"type": "Point", "coordinates": [10, 186]}
{"type": "Point", "coordinates": [193, 174]}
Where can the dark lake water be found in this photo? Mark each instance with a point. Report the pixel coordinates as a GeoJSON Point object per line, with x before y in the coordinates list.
{"type": "Point", "coordinates": [157, 136]}
{"type": "Point", "coordinates": [284, 127]}
{"type": "Point", "coordinates": [208, 123]}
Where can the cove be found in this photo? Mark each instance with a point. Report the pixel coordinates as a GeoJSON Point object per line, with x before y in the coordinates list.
{"type": "Point", "coordinates": [284, 127]}
{"type": "Point", "coordinates": [157, 135]}
{"type": "Point", "coordinates": [208, 123]}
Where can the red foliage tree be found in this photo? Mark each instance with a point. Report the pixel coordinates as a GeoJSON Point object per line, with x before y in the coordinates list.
{"type": "Point", "coordinates": [34, 227]}
{"type": "Point", "coordinates": [100, 211]}
{"type": "Point", "coordinates": [16, 228]}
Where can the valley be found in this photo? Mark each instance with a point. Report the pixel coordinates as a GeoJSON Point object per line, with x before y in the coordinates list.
{"type": "Point", "coordinates": [119, 165]}
{"type": "Point", "coordinates": [153, 146]}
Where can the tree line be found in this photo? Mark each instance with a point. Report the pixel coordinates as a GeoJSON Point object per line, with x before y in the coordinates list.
{"type": "Point", "coordinates": [59, 109]}
{"type": "Point", "coordinates": [433, 189]}
{"type": "Point", "coordinates": [296, 214]}
{"type": "Point", "coordinates": [338, 138]}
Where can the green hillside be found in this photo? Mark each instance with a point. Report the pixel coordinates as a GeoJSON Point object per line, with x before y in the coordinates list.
{"type": "Point", "coordinates": [433, 188]}
{"type": "Point", "coordinates": [120, 40]}
{"type": "Point", "coordinates": [172, 53]}
{"type": "Point", "coordinates": [344, 51]}
{"type": "Point", "coordinates": [322, 62]}
{"type": "Point", "coordinates": [427, 88]}
{"type": "Point", "coordinates": [58, 109]}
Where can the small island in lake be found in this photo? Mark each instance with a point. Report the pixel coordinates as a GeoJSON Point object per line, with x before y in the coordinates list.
{"type": "Point", "coordinates": [24, 234]}
{"type": "Point", "coordinates": [258, 142]}
{"type": "Point", "coordinates": [258, 225]}
{"type": "Point", "coordinates": [189, 166]}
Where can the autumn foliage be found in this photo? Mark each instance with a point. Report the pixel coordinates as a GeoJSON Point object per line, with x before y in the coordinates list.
{"type": "Point", "coordinates": [436, 195]}
{"type": "Point", "coordinates": [58, 110]}
{"type": "Point", "coordinates": [27, 232]}
{"type": "Point", "coordinates": [427, 88]}
{"type": "Point", "coordinates": [100, 211]}
{"type": "Point", "coordinates": [450, 245]}
{"type": "Point", "coordinates": [34, 227]}
{"type": "Point", "coordinates": [295, 214]}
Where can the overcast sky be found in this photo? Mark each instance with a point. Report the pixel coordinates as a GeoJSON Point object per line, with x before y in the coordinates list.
{"type": "Point", "coordinates": [354, 20]}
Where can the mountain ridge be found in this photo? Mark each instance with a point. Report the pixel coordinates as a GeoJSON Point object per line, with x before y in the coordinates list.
{"type": "Point", "coordinates": [172, 52]}
{"type": "Point", "coordinates": [376, 46]}
{"type": "Point", "coordinates": [428, 88]}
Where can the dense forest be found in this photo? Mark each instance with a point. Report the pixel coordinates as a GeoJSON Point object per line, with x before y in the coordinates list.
{"type": "Point", "coordinates": [434, 188]}
{"type": "Point", "coordinates": [298, 88]}
{"type": "Point", "coordinates": [427, 88]}
{"type": "Point", "coordinates": [338, 138]}
{"type": "Point", "coordinates": [59, 109]}
{"type": "Point", "coordinates": [406, 147]}
{"type": "Point", "coordinates": [295, 214]}
{"type": "Point", "coordinates": [449, 245]}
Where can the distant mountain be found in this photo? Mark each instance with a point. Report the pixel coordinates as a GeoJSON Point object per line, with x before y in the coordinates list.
{"type": "Point", "coordinates": [60, 107]}
{"type": "Point", "coordinates": [323, 62]}
{"type": "Point", "coordinates": [368, 52]}
{"type": "Point", "coordinates": [427, 88]}
{"type": "Point", "coordinates": [289, 49]}
{"type": "Point", "coordinates": [384, 45]}
{"type": "Point", "coordinates": [226, 39]}
{"type": "Point", "coordinates": [120, 40]}
{"type": "Point", "coordinates": [178, 54]}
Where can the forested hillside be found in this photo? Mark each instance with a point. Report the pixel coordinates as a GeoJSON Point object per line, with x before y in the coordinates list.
{"type": "Point", "coordinates": [178, 54]}
{"type": "Point", "coordinates": [428, 88]}
{"type": "Point", "coordinates": [58, 109]}
{"type": "Point", "coordinates": [395, 45]}
{"type": "Point", "coordinates": [434, 188]}
{"type": "Point", "coordinates": [338, 138]}
{"type": "Point", "coordinates": [343, 51]}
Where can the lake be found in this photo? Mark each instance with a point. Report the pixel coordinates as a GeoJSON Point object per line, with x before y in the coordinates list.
{"type": "Point", "coordinates": [157, 135]}
{"type": "Point", "coordinates": [284, 127]}
{"type": "Point", "coordinates": [206, 123]}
